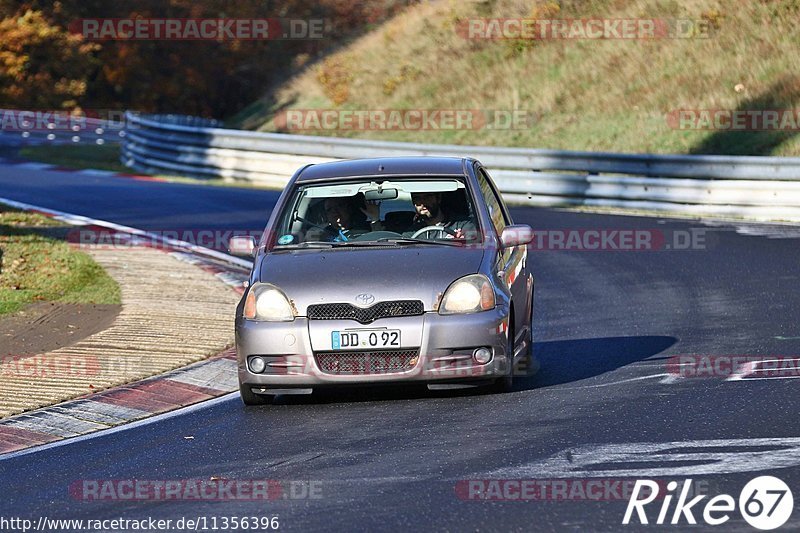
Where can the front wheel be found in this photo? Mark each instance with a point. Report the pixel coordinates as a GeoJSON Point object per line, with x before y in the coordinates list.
{"type": "Point", "coordinates": [251, 398]}
{"type": "Point", "coordinates": [505, 383]}
{"type": "Point", "coordinates": [527, 365]}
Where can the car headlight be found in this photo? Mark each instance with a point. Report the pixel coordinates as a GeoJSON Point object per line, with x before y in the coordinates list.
{"type": "Point", "coordinates": [267, 302]}
{"type": "Point", "coordinates": [469, 294]}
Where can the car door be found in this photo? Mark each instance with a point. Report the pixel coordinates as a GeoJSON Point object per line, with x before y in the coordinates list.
{"type": "Point", "coordinates": [512, 261]}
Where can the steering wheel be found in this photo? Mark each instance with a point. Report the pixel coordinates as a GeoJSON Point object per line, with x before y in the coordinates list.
{"type": "Point", "coordinates": [441, 231]}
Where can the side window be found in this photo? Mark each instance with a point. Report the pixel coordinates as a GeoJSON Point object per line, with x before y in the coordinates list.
{"type": "Point", "coordinates": [496, 211]}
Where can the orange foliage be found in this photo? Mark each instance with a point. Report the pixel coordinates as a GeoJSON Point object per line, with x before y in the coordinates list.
{"type": "Point", "coordinates": [43, 65]}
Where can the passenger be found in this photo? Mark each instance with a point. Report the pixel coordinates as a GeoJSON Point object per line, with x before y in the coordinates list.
{"type": "Point", "coordinates": [345, 219]}
{"type": "Point", "coordinates": [430, 212]}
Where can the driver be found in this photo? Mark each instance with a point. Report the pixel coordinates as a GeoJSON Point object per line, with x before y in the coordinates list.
{"type": "Point", "coordinates": [431, 213]}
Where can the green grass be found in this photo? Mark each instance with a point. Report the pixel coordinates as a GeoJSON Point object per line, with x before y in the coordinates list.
{"type": "Point", "coordinates": [611, 95]}
{"type": "Point", "coordinates": [38, 267]}
{"type": "Point", "coordinates": [100, 157]}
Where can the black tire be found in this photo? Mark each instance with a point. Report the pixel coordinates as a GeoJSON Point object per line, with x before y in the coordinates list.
{"type": "Point", "coordinates": [527, 365]}
{"type": "Point", "coordinates": [251, 398]}
{"type": "Point", "coordinates": [505, 383]}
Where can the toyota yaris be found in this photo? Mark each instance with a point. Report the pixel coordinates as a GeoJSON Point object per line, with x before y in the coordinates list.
{"type": "Point", "coordinates": [385, 270]}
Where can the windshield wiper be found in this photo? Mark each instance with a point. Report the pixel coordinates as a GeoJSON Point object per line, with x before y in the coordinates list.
{"type": "Point", "coordinates": [307, 244]}
{"type": "Point", "coordinates": [329, 244]}
{"type": "Point", "coordinates": [384, 241]}
{"type": "Point", "coordinates": [343, 244]}
{"type": "Point", "coordinates": [409, 240]}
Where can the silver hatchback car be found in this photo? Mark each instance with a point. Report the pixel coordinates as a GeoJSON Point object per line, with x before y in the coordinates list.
{"type": "Point", "coordinates": [385, 270]}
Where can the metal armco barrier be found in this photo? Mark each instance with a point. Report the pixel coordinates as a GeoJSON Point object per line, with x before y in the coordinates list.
{"type": "Point", "coordinates": [22, 127]}
{"type": "Point", "coordinates": [764, 188]}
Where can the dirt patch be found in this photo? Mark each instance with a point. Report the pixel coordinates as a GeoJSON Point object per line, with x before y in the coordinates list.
{"type": "Point", "coordinates": [44, 326]}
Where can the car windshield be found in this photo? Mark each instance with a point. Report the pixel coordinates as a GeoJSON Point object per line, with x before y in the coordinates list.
{"type": "Point", "coordinates": [391, 211]}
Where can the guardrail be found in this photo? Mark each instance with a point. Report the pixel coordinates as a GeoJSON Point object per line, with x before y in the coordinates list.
{"type": "Point", "coordinates": [765, 188]}
{"type": "Point", "coordinates": [22, 127]}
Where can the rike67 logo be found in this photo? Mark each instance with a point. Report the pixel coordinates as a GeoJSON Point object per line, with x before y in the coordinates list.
{"type": "Point", "coordinates": [765, 503]}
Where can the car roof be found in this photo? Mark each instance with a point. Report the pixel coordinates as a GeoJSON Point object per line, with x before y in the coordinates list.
{"type": "Point", "coordinates": [388, 166]}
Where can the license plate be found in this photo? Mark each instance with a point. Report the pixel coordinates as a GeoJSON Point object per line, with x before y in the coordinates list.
{"type": "Point", "coordinates": [365, 338]}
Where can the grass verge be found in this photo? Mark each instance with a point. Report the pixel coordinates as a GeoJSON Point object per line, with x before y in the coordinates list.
{"type": "Point", "coordinates": [612, 95]}
{"type": "Point", "coordinates": [100, 157]}
{"type": "Point", "coordinates": [37, 266]}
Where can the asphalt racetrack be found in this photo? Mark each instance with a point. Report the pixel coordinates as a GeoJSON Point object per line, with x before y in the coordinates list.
{"type": "Point", "coordinates": [614, 401]}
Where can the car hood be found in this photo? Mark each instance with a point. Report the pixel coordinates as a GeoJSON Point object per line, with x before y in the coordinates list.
{"type": "Point", "coordinates": [387, 273]}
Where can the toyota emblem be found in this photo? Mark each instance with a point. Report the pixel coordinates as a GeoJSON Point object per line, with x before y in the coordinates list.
{"type": "Point", "coordinates": [365, 298]}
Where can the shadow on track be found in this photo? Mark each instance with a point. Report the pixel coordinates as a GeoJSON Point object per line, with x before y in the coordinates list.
{"type": "Point", "coordinates": [573, 360]}
{"type": "Point", "coordinates": [561, 362]}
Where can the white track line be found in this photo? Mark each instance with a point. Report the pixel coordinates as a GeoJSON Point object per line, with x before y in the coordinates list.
{"type": "Point", "coordinates": [81, 220]}
{"type": "Point", "coordinates": [131, 425]}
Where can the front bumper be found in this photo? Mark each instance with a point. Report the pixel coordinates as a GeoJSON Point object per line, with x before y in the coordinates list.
{"type": "Point", "coordinates": [445, 344]}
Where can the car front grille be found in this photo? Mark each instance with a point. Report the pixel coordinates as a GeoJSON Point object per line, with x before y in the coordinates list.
{"type": "Point", "coordinates": [365, 315]}
{"type": "Point", "coordinates": [366, 363]}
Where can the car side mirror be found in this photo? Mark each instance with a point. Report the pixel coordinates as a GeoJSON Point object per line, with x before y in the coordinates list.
{"type": "Point", "coordinates": [515, 235]}
{"type": "Point", "coordinates": [243, 245]}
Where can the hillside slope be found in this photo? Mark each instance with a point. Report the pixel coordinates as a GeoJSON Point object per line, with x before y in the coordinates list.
{"type": "Point", "coordinates": [610, 95]}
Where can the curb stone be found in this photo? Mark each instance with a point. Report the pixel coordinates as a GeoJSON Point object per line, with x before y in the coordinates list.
{"type": "Point", "coordinates": [117, 406]}
{"type": "Point", "coordinates": [213, 377]}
